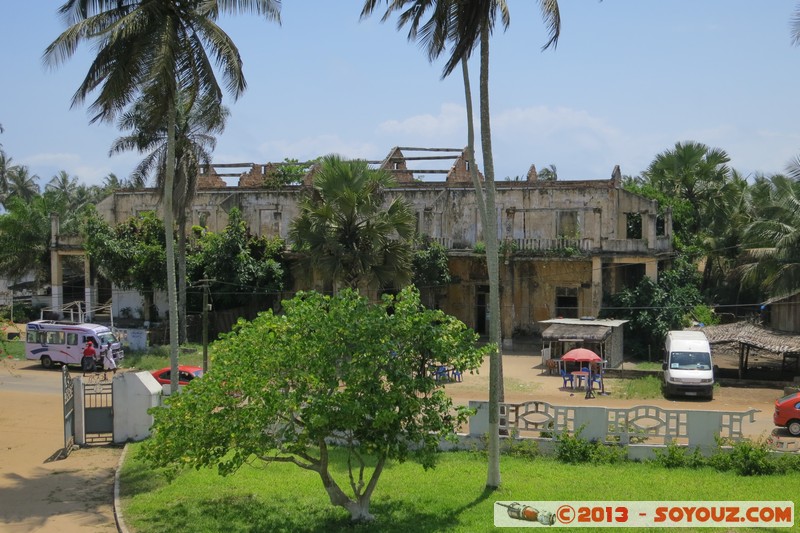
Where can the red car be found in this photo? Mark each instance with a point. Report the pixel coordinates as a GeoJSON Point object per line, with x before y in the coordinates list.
{"type": "Point", "coordinates": [185, 374]}
{"type": "Point", "coordinates": [787, 413]}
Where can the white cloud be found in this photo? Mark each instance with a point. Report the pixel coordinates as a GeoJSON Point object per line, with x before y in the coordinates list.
{"type": "Point", "coordinates": [307, 148]}
{"type": "Point", "coordinates": [448, 124]}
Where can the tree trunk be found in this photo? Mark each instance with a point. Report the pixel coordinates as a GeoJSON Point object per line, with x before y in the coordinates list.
{"type": "Point", "coordinates": [358, 508]}
{"type": "Point", "coordinates": [172, 298]}
{"type": "Point", "coordinates": [182, 278]}
{"type": "Point", "coordinates": [496, 395]}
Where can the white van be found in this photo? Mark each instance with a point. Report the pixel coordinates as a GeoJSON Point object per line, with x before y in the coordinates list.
{"type": "Point", "coordinates": [687, 364]}
{"type": "Point", "coordinates": [53, 341]}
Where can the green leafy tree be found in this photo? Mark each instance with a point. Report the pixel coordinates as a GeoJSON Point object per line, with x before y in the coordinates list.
{"type": "Point", "coordinates": [462, 26]}
{"type": "Point", "coordinates": [548, 173]}
{"type": "Point", "coordinates": [21, 184]}
{"type": "Point", "coordinates": [25, 240]}
{"type": "Point", "coordinates": [284, 387]}
{"type": "Point", "coordinates": [243, 267]}
{"type": "Point", "coordinates": [64, 185]}
{"type": "Point", "coordinates": [289, 172]}
{"type": "Point", "coordinates": [349, 232]}
{"type": "Point", "coordinates": [771, 259]}
{"type": "Point", "coordinates": [431, 271]}
{"type": "Point", "coordinates": [691, 174]}
{"type": "Point", "coordinates": [131, 255]}
{"type": "Point", "coordinates": [151, 50]}
{"type": "Point", "coordinates": [653, 308]}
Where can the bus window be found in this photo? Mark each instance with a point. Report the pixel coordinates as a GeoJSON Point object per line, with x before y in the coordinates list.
{"type": "Point", "coordinates": [33, 337]}
{"type": "Point", "coordinates": [55, 337]}
{"type": "Point", "coordinates": [72, 339]}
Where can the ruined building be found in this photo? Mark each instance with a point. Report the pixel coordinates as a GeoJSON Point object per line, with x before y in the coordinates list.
{"type": "Point", "coordinates": [565, 244]}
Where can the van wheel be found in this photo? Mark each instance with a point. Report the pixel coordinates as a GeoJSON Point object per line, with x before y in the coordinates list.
{"type": "Point", "coordinates": [47, 362]}
{"type": "Point", "coordinates": [794, 428]}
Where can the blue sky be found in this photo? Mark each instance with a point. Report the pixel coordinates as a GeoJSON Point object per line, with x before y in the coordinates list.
{"type": "Point", "coordinates": [628, 80]}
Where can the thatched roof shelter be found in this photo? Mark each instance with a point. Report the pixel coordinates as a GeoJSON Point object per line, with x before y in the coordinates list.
{"type": "Point", "coordinates": [750, 335]}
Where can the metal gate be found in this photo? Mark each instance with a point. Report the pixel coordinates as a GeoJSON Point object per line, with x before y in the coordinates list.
{"type": "Point", "coordinates": [68, 388]}
{"type": "Point", "coordinates": [98, 412]}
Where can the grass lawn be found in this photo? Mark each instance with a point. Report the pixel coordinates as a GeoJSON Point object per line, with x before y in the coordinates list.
{"type": "Point", "coordinates": [282, 497]}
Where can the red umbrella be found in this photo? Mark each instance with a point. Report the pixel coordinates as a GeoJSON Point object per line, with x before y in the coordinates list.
{"type": "Point", "coordinates": [582, 355]}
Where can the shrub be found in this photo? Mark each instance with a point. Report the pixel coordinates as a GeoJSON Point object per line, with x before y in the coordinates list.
{"type": "Point", "coordinates": [523, 448]}
{"type": "Point", "coordinates": [751, 458]}
{"type": "Point", "coordinates": [573, 449]}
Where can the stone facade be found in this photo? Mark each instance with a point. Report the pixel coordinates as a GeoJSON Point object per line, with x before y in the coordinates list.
{"type": "Point", "coordinates": [565, 244]}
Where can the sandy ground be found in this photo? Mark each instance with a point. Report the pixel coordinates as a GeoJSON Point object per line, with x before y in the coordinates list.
{"type": "Point", "coordinates": [37, 491]}
{"type": "Point", "coordinates": [41, 493]}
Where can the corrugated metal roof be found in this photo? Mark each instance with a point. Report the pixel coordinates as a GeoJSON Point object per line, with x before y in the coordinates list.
{"type": "Point", "coordinates": [582, 331]}
{"type": "Point", "coordinates": [585, 321]}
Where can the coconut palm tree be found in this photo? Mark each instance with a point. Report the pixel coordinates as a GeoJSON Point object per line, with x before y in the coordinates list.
{"type": "Point", "coordinates": [63, 185]}
{"type": "Point", "coordinates": [347, 231]}
{"type": "Point", "coordinates": [197, 122]}
{"type": "Point", "coordinates": [152, 50]}
{"type": "Point", "coordinates": [21, 184]}
{"type": "Point", "coordinates": [772, 241]}
{"type": "Point", "coordinates": [462, 26]}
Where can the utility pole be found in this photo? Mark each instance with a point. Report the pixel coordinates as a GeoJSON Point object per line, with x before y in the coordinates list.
{"type": "Point", "coordinates": [205, 325]}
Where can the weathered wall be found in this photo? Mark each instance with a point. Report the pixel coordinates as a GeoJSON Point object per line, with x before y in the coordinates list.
{"type": "Point", "coordinates": [533, 217]}
{"type": "Point", "coordinates": [784, 315]}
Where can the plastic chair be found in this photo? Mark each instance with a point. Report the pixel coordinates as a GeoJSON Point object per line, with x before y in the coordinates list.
{"type": "Point", "coordinates": [568, 378]}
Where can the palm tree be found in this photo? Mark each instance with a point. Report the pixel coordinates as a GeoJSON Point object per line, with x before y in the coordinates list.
{"type": "Point", "coordinates": [773, 239]}
{"type": "Point", "coordinates": [795, 26]}
{"type": "Point", "coordinates": [151, 50]}
{"type": "Point", "coordinates": [198, 121]}
{"type": "Point", "coordinates": [63, 184]}
{"type": "Point", "coordinates": [25, 239]}
{"type": "Point", "coordinates": [549, 173]}
{"type": "Point", "coordinates": [347, 233]}
{"type": "Point", "coordinates": [21, 184]}
{"type": "Point", "coordinates": [463, 25]}
{"type": "Point", "coordinates": [5, 168]}
{"type": "Point", "coordinates": [694, 173]}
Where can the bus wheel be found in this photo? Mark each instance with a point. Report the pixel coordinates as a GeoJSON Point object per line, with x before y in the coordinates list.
{"type": "Point", "coordinates": [47, 362]}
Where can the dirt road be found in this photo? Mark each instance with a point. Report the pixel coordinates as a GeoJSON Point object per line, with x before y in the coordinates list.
{"type": "Point", "coordinates": [40, 494]}
{"type": "Point", "coordinates": [37, 492]}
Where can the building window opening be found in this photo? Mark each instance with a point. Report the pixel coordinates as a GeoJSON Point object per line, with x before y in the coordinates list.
{"type": "Point", "coordinates": [566, 302]}
{"type": "Point", "coordinates": [633, 223]}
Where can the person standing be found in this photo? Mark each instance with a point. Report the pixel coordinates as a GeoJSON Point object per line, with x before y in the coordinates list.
{"type": "Point", "coordinates": [108, 361]}
{"type": "Point", "coordinates": [88, 360]}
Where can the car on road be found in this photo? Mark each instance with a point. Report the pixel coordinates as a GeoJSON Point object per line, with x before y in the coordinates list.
{"type": "Point", "coordinates": [787, 413]}
{"type": "Point", "coordinates": [185, 374]}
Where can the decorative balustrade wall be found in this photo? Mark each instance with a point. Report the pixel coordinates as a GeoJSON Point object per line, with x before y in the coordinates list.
{"type": "Point", "coordinates": [644, 426]}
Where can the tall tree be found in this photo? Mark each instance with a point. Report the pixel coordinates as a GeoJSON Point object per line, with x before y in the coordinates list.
{"type": "Point", "coordinates": [151, 50]}
{"type": "Point", "coordinates": [21, 184]}
{"type": "Point", "coordinates": [197, 123]}
{"type": "Point", "coordinates": [63, 184]}
{"type": "Point", "coordinates": [330, 368]}
{"type": "Point", "coordinates": [772, 241]}
{"type": "Point", "coordinates": [347, 233]}
{"type": "Point", "coordinates": [463, 26]}
{"type": "Point", "coordinates": [693, 174]}
{"type": "Point", "coordinates": [25, 239]}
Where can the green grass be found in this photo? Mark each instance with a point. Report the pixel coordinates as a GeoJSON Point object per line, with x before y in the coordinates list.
{"type": "Point", "coordinates": [15, 348]}
{"type": "Point", "coordinates": [158, 357]}
{"type": "Point", "coordinates": [646, 388]}
{"type": "Point", "coordinates": [451, 497]}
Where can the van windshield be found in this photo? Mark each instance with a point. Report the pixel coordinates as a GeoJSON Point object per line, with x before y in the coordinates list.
{"type": "Point", "coordinates": [105, 338]}
{"type": "Point", "coordinates": [690, 361]}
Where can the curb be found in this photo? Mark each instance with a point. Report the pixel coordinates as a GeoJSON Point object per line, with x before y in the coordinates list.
{"type": "Point", "coordinates": [118, 518]}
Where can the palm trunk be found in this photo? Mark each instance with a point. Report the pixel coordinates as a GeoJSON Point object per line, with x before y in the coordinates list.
{"type": "Point", "coordinates": [169, 181]}
{"type": "Point", "coordinates": [496, 395]}
{"type": "Point", "coordinates": [182, 278]}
